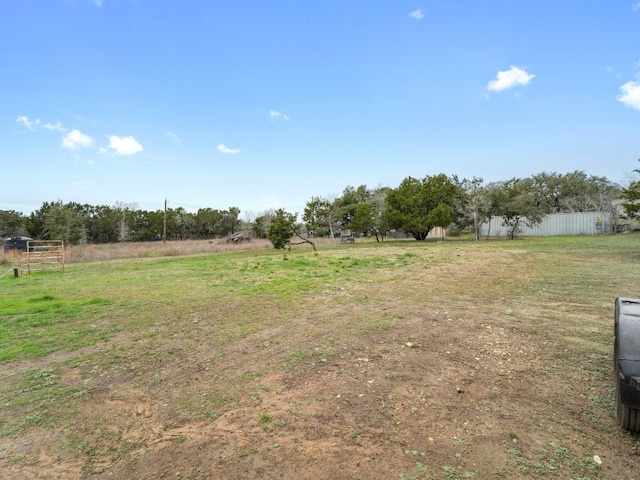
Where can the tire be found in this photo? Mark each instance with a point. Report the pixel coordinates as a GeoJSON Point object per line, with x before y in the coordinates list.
{"type": "Point", "coordinates": [628, 418]}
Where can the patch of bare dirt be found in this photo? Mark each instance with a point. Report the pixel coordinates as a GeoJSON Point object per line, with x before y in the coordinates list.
{"type": "Point", "coordinates": [463, 398]}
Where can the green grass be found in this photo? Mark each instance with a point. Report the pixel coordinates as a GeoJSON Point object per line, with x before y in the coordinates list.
{"type": "Point", "coordinates": [33, 326]}
{"type": "Point", "coordinates": [90, 303]}
{"type": "Point", "coordinates": [51, 311]}
{"type": "Point", "coordinates": [128, 322]}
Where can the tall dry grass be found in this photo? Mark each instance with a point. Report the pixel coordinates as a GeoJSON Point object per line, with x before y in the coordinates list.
{"type": "Point", "coordinates": [113, 251]}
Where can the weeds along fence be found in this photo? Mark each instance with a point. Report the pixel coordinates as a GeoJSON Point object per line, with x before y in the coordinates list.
{"type": "Point", "coordinates": [123, 250]}
{"type": "Point", "coordinates": [43, 255]}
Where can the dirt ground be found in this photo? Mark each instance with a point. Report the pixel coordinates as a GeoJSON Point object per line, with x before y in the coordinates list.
{"type": "Point", "coordinates": [420, 400]}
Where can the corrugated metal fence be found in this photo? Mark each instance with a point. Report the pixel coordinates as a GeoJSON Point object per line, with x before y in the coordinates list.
{"type": "Point", "coordinates": [582, 223]}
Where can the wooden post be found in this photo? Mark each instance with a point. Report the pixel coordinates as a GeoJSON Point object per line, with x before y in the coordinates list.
{"type": "Point", "coordinates": [15, 272]}
{"type": "Point", "coordinates": [164, 223]}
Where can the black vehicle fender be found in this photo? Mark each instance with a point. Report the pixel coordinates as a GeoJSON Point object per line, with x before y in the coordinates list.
{"type": "Point", "coordinates": [626, 359]}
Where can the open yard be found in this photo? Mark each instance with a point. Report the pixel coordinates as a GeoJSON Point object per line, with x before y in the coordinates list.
{"type": "Point", "coordinates": [400, 360]}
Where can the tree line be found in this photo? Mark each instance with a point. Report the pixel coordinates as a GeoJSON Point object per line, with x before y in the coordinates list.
{"type": "Point", "coordinates": [76, 223]}
{"type": "Point", "coordinates": [416, 206]}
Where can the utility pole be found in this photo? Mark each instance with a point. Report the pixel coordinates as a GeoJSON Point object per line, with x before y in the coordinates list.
{"type": "Point", "coordinates": [164, 223]}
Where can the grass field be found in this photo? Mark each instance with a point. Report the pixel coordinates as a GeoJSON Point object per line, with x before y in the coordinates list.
{"type": "Point", "coordinates": [398, 360]}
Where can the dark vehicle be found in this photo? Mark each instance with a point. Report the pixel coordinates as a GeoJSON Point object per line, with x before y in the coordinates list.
{"type": "Point", "coordinates": [16, 243]}
{"type": "Point", "coordinates": [627, 362]}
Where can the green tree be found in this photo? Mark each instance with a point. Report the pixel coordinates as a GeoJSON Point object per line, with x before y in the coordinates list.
{"type": "Point", "coordinates": [144, 225]}
{"type": "Point", "coordinates": [517, 202]}
{"type": "Point", "coordinates": [574, 192]}
{"type": "Point", "coordinates": [35, 222]}
{"type": "Point", "coordinates": [379, 223]}
{"type": "Point", "coordinates": [441, 216]}
{"type": "Point", "coordinates": [181, 225]}
{"type": "Point", "coordinates": [103, 224]}
{"type": "Point", "coordinates": [345, 206]}
{"type": "Point", "coordinates": [362, 221]}
{"type": "Point", "coordinates": [369, 217]}
{"type": "Point", "coordinates": [66, 222]}
{"type": "Point", "coordinates": [475, 206]}
{"type": "Point", "coordinates": [208, 222]}
{"type": "Point", "coordinates": [230, 221]}
{"type": "Point", "coordinates": [631, 197]}
{"type": "Point", "coordinates": [282, 228]}
{"type": "Point", "coordinates": [409, 206]}
{"type": "Point", "coordinates": [319, 215]}
{"type": "Point", "coordinates": [261, 223]}
{"type": "Point", "coordinates": [12, 224]}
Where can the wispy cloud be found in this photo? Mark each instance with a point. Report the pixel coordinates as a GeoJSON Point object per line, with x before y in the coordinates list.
{"type": "Point", "coordinates": [610, 70]}
{"type": "Point", "coordinates": [274, 114]}
{"type": "Point", "coordinates": [54, 127]}
{"type": "Point", "coordinates": [224, 149]}
{"type": "Point", "coordinates": [417, 14]}
{"type": "Point", "coordinates": [123, 146]}
{"type": "Point", "coordinates": [75, 139]}
{"type": "Point", "coordinates": [97, 3]}
{"type": "Point", "coordinates": [630, 95]}
{"type": "Point", "coordinates": [507, 79]}
{"type": "Point", "coordinates": [174, 137]}
{"type": "Point", "coordinates": [24, 120]}
{"type": "Point", "coordinates": [636, 7]}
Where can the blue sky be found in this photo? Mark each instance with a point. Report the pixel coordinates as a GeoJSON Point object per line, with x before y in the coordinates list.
{"type": "Point", "coordinates": [264, 104]}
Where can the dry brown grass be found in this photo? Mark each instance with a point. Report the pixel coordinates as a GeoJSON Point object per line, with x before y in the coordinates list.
{"type": "Point", "coordinates": [114, 251]}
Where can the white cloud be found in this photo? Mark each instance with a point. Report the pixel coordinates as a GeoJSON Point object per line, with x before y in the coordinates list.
{"type": "Point", "coordinates": [630, 95]}
{"type": "Point", "coordinates": [124, 146]}
{"type": "Point", "coordinates": [76, 139]}
{"type": "Point", "coordinates": [275, 114]}
{"type": "Point", "coordinates": [55, 127]}
{"type": "Point", "coordinates": [24, 120]}
{"type": "Point", "coordinates": [636, 7]}
{"type": "Point", "coordinates": [97, 3]}
{"type": "Point", "coordinates": [417, 14]}
{"type": "Point", "coordinates": [507, 79]}
{"type": "Point", "coordinates": [223, 149]}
